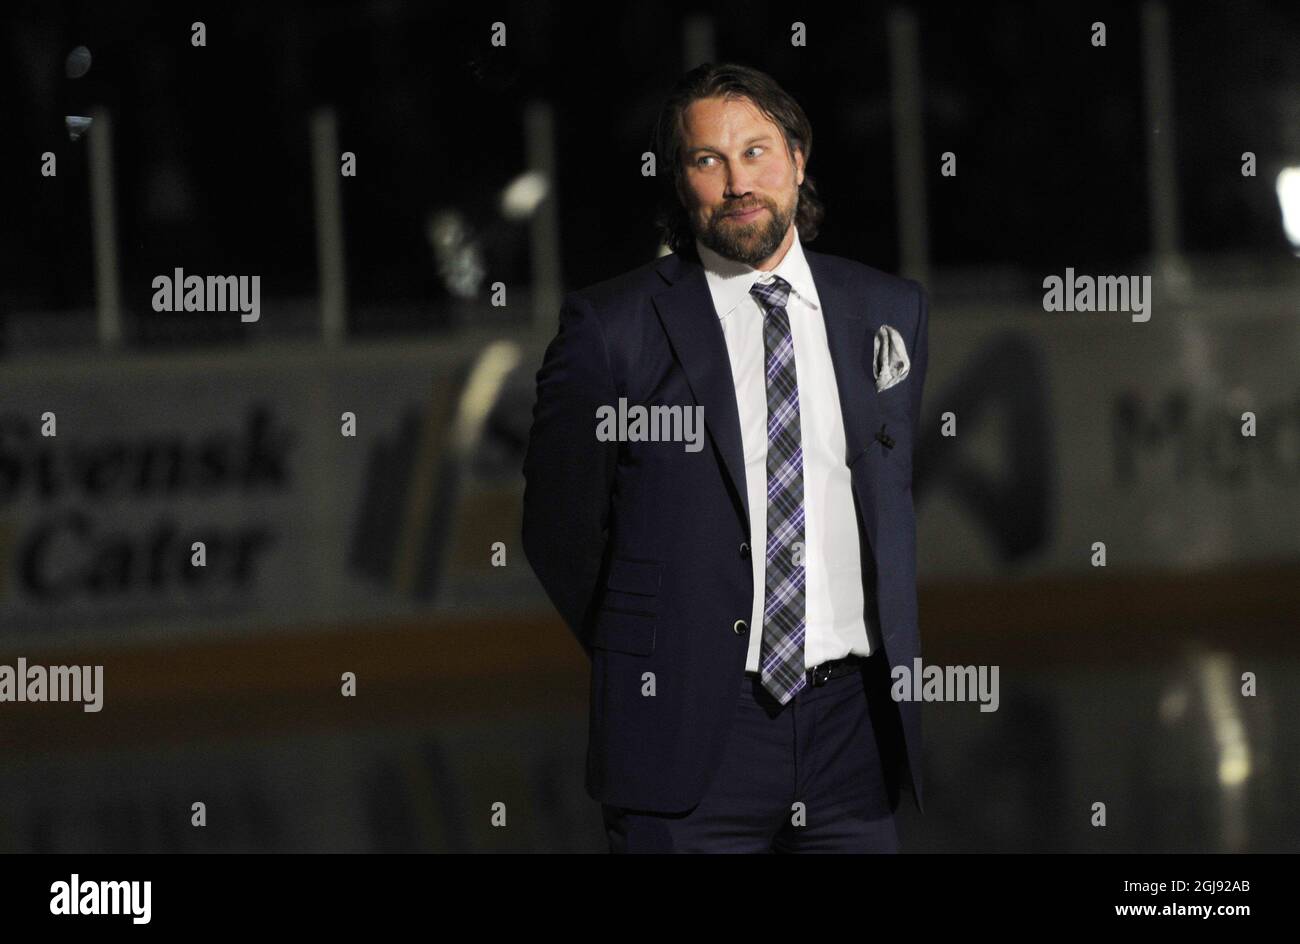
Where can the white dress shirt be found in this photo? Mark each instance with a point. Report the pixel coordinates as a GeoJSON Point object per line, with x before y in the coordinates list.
{"type": "Point", "coordinates": [833, 582]}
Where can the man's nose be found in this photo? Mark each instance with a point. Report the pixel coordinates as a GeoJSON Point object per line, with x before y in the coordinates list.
{"type": "Point", "coordinates": [738, 184]}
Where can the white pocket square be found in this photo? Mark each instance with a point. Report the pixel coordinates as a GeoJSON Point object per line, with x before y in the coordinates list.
{"type": "Point", "coordinates": [889, 361]}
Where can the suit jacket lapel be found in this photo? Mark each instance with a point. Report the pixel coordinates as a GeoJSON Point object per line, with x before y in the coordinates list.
{"type": "Point", "coordinates": [849, 332]}
{"type": "Point", "coordinates": [687, 314]}
{"type": "Point", "coordinates": [686, 311]}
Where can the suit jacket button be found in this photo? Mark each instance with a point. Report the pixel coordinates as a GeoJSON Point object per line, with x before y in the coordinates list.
{"type": "Point", "coordinates": [740, 627]}
{"type": "Point", "coordinates": [744, 551]}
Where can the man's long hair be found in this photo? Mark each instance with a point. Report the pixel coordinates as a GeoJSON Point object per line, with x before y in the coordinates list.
{"type": "Point", "coordinates": [727, 80]}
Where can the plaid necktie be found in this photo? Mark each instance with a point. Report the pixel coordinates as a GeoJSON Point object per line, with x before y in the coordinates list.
{"type": "Point", "coordinates": [781, 656]}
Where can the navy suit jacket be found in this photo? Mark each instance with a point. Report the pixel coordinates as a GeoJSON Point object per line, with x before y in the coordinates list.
{"type": "Point", "coordinates": [643, 547]}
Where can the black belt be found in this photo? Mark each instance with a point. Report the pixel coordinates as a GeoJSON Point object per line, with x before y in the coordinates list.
{"type": "Point", "coordinates": [821, 674]}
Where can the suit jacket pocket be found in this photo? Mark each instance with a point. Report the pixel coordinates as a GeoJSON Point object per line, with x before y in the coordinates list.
{"type": "Point", "coordinates": [633, 585]}
{"type": "Point", "coordinates": [626, 620]}
{"type": "Point", "coordinates": [622, 631]}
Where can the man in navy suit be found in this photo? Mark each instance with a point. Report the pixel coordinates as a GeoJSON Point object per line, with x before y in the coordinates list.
{"type": "Point", "coordinates": [743, 603]}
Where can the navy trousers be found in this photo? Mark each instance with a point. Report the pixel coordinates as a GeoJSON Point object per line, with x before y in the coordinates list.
{"type": "Point", "coordinates": [807, 776]}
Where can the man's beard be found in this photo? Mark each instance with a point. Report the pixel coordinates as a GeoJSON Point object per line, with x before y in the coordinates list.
{"type": "Point", "coordinates": [749, 243]}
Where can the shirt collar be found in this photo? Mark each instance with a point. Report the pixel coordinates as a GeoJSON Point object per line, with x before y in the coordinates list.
{"type": "Point", "coordinates": [730, 281]}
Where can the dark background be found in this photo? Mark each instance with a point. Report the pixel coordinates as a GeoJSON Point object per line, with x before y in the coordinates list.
{"type": "Point", "coordinates": [1118, 686]}
{"type": "Point", "coordinates": [213, 166]}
